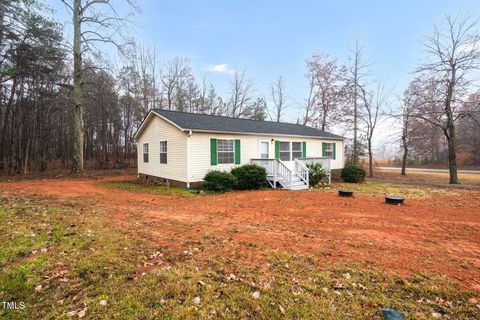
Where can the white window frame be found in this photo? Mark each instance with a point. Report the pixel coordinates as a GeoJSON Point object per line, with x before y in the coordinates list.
{"type": "Point", "coordinates": [165, 152]}
{"type": "Point", "coordinates": [290, 151]}
{"type": "Point", "coordinates": [218, 152]}
{"type": "Point", "coordinates": [297, 151]}
{"type": "Point", "coordinates": [329, 150]}
{"type": "Point", "coordinates": [260, 147]}
{"type": "Point", "coordinates": [146, 152]}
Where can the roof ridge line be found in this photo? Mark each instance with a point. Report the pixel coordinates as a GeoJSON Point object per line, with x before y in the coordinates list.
{"type": "Point", "coordinates": [218, 116]}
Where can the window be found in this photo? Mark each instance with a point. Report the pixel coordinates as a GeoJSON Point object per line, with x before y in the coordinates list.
{"type": "Point", "coordinates": [329, 150]}
{"type": "Point", "coordinates": [285, 151]}
{"type": "Point", "coordinates": [163, 152]}
{"type": "Point", "coordinates": [225, 151]}
{"type": "Point", "coordinates": [145, 152]}
{"type": "Point", "coordinates": [264, 145]}
{"type": "Point", "coordinates": [296, 150]}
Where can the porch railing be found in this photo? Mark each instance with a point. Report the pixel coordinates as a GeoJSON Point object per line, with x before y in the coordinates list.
{"type": "Point", "coordinates": [325, 162]}
{"type": "Point", "coordinates": [284, 172]}
{"type": "Point", "coordinates": [302, 171]}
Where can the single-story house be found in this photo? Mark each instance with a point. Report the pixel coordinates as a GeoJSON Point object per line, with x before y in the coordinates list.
{"type": "Point", "coordinates": [179, 148]}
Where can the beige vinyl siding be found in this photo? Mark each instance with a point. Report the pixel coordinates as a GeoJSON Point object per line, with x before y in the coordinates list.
{"type": "Point", "coordinates": [249, 146]}
{"type": "Point", "coordinates": [160, 130]}
{"type": "Point", "coordinates": [314, 149]}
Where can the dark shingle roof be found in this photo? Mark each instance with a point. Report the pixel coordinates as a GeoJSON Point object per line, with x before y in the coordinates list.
{"type": "Point", "coordinates": [195, 121]}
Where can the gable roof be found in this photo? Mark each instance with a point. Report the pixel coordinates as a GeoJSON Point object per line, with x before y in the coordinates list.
{"type": "Point", "coordinates": [210, 123]}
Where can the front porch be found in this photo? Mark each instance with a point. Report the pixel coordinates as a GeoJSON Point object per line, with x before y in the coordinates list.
{"type": "Point", "coordinates": [292, 175]}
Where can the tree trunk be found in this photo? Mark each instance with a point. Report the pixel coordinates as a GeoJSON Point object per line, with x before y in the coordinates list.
{"type": "Point", "coordinates": [25, 159]}
{"type": "Point", "coordinates": [404, 145]}
{"type": "Point", "coordinates": [78, 127]}
{"type": "Point", "coordinates": [355, 114]}
{"type": "Point", "coordinates": [452, 157]}
{"type": "Point", "coordinates": [405, 156]}
{"type": "Point", "coordinates": [450, 131]}
{"type": "Point", "coordinates": [370, 158]}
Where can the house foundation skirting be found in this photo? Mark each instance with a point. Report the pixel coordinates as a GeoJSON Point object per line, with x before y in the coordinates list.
{"type": "Point", "coordinates": [168, 182]}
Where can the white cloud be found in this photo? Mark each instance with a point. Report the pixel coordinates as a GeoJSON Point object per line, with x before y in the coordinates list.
{"type": "Point", "coordinates": [222, 68]}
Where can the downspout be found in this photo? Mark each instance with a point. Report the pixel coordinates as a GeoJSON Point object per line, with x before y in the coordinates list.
{"type": "Point", "coordinates": [188, 158]}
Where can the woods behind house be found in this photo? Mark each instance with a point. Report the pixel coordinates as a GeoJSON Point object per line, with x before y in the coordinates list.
{"type": "Point", "coordinates": [62, 100]}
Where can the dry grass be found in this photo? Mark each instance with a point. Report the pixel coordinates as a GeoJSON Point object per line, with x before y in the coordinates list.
{"type": "Point", "coordinates": [90, 269]}
{"type": "Point", "coordinates": [427, 177]}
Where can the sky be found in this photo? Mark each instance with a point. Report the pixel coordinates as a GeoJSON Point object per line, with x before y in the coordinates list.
{"type": "Point", "coordinates": [272, 38]}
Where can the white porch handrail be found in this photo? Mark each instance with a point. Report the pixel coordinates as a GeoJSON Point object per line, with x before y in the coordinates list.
{"type": "Point", "coordinates": [324, 161]}
{"type": "Point", "coordinates": [284, 172]}
{"type": "Point", "coordinates": [302, 171]}
{"type": "Point", "coordinates": [278, 171]}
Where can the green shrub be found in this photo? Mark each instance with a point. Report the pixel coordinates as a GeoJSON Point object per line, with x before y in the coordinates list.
{"type": "Point", "coordinates": [316, 173]}
{"type": "Point", "coordinates": [250, 176]}
{"type": "Point", "coordinates": [353, 173]}
{"type": "Point", "coordinates": [219, 181]}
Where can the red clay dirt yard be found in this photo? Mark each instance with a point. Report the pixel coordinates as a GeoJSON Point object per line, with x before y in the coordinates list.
{"type": "Point", "coordinates": [439, 234]}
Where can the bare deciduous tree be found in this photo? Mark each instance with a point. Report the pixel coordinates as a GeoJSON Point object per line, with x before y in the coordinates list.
{"type": "Point", "coordinates": [406, 115]}
{"type": "Point", "coordinates": [94, 22]}
{"type": "Point", "coordinates": [279, 99]}
{"type": "Point", "coordinates": [357, 71]}
{"type": "Point", "coordinates": [242, 94]}
{"type": "Point", "coordinates": [174, 82]}
{"type": "Point", "coordinates": [372, 104]}
{"type": "Point", "coordinates": [330, 89]}
{"type": "Point", "coordinates": [452, 53]}
{"type": "Point", "coordinates": [310, 101]}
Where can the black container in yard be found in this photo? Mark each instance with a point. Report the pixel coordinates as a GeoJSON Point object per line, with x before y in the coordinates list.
{"type": "Point", "coordinates": [394, 200]}
{"type": "Point", "coordinates": [345, 193]}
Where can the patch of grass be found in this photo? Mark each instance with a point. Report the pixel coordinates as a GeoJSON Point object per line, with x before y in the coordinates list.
{"type": "Point", "coordinates": [155, 189]}
{"type": "Point", "coordinates": [410, 191]}
{"type": "Point", "coordinates": [88, 260]}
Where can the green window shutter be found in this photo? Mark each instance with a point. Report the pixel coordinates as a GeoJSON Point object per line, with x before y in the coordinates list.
{"type": "Point", "coordinates": [277, 149]}
{"type": "Point", "coordinates": [237, 151]}
{"type": "Point", "coordinates": [304, 149]}
{"type": "Point", "coordinates": [334, 151]}
{"type": "Point", "coordinates": [324, 149]}
{"type": "Point", "coordinates": [213, 152]}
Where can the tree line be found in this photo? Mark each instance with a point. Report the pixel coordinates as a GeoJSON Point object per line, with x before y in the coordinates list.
{"type": "Point", "coordinates": [62, 100]}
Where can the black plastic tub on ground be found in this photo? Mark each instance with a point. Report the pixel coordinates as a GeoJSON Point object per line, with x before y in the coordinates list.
{"type": "Point", "coordinates": [394, 200]}
{"type": "Point", "coordinates": [345, 193]}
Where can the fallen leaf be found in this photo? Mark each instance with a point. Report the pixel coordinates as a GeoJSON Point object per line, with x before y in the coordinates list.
{"type": "Point", "coordinates": [82, 313]}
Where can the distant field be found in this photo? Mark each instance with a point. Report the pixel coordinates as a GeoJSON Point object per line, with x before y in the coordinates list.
{"type": "Point", "coordinates": [427, 177]}
{"type": "Point", "coordinates": [383, 163]}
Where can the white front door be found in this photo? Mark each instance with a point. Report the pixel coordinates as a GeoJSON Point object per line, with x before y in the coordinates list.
{"type": "Point", "coordinates": [263, 149]}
